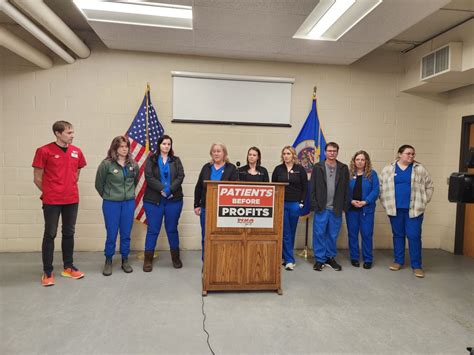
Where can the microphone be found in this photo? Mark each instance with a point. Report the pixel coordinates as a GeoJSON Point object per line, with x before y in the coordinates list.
{"type": "Point", "coordinates": [238, 170]}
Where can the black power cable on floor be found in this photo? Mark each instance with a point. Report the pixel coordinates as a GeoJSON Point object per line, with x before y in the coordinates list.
{"type": "Point", "coordinates": [204, 326]}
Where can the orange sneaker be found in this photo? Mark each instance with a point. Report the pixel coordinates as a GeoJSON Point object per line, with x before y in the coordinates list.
{"type": "Point", "coordinates": [47, 280]}
{"type": "Point", "coordinates": [72, 272]}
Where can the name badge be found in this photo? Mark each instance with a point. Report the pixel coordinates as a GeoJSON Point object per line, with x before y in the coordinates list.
{"type": "Point", "coordinates": [74, 154]}
{"type": "Point", "coordinates": [115, 171]}
{"type": "Point", "coordinates": [56, 156]}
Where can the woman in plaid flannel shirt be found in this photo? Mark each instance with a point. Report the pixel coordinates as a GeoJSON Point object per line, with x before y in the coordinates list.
{"type": "Point", "coordinates": [405, 190]}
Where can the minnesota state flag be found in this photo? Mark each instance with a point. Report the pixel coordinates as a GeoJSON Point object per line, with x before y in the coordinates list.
{"type": "Point", "coordinates": [309, 145]}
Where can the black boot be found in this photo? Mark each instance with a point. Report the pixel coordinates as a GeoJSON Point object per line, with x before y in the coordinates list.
{"type": "Point", "coordinates": [107, 267]}
{"type": "Point", "coordinates": [175, 258]}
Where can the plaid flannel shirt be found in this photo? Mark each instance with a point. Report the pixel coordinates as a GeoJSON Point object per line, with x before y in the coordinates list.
{"type": "Point", "coordinates": [421, 190]}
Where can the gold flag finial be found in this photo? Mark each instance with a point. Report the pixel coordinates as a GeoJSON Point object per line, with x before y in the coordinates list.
{"type": "Point", "coordinates": [315, 88]}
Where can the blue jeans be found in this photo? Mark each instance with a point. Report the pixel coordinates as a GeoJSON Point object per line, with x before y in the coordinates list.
{"type": "Point", "coordinates": [358, 221]}
{"type": "Point", "coordinates": [404, 226]}
{"type": "Point", "coordinates": [290, 222]}
{"type": "Point", "coordinates": [326, 227]}
{"type": "Point", "coordinates": [118, 216]}
{"type": "Point", "coordinates": [171, 211]}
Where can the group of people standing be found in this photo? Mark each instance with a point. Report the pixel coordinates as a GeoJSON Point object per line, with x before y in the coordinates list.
{"type": "Point", "coordinates": [404, 189]}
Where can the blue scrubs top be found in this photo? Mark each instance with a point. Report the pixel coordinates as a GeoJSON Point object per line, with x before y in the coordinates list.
{"type": "Point", "coordinates": [403, 186]}
{"type": "Point", "coordinates": [216, 174]}
{"type": "Point", "coordinates": [165, 175]}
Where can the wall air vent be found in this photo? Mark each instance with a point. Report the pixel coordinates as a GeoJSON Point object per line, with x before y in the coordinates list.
{"type": "Point", "coordinates": [442, 60]}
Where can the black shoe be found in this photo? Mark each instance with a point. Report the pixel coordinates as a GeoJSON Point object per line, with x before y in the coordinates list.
{"type": "Point", "coordinates": [318, 266]}
{"type": "Point", "coordinates": [355, 263]}
{"type": "Point", "coordinates": [332, 263]}
{"type": "Point", "coordinates": [367, 266]}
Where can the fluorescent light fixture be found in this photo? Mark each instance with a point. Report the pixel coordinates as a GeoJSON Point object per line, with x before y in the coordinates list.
{"type": "Point", "coordinates": [142, 13]}
{"type": "Point", "coordinates": [331, 19]}
{"type": "Point", "coordinates": [331, 16]}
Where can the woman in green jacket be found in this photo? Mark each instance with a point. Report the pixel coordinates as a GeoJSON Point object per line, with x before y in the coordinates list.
{"type": "Point", "coordinates": [116, 179]}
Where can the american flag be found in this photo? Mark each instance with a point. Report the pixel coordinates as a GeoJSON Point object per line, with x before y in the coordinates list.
{"type": "Point", "coordinates": [141, 147]}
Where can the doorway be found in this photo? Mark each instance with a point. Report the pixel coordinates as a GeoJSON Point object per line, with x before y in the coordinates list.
{"type": "Point", "coordinates": [464, 239]}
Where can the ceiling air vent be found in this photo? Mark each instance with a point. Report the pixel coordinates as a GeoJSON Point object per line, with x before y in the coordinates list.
{"type": "Point", "coordinates": [444, 59]}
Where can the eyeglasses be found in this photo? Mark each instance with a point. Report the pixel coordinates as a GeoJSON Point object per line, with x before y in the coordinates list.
{"type": "Point", "coordinates": [331, 151]}
{"type": "Point", "coordinates": [410, 154]}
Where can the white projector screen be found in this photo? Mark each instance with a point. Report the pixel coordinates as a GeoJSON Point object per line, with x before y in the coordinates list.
{"type": "Point", "coordinates": [231, 99]}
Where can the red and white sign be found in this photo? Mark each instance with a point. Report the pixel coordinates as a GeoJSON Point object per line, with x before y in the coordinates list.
{"type": "Point", "coordinates": [249, 206]}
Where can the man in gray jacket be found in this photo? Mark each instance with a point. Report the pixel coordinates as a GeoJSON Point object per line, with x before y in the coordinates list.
{"type": "Point", "coordinates": [329, 195]}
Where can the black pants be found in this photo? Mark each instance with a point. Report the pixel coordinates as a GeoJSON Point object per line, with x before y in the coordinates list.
{"type": "Point", "coordinates": [51, 220]}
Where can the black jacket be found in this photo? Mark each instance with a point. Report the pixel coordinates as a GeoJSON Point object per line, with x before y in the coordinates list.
{"type": "Point", "coordinates": [229, 174]}
{"type": "Point", "coordinates": [297, 179]}
{"type": "Point", "coordinates": [319, 191]}
{"type": "Point", "coordinates": [153, 179]}
{"type": "Point", "coordinates": [262, 174]}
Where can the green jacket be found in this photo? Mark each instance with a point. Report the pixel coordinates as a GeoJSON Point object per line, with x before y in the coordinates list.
{"type": "Point", "coordinates": [112, 185]}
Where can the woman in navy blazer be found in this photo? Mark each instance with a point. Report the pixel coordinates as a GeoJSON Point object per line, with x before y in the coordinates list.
{"type": "Point", "coordinates": [363, 192]}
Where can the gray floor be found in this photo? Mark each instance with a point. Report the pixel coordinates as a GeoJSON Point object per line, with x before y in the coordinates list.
{"type": "Point", "coordinates": [354, 311]}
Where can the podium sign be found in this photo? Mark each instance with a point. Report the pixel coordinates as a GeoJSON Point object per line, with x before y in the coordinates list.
{"type": "Point", "coordinates": [243, 241]}
{"type": "Point", "coordinates": [249, 206]}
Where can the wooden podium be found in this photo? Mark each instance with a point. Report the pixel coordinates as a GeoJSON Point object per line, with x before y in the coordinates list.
{"type": "Point", "coordinates": [246, 257]}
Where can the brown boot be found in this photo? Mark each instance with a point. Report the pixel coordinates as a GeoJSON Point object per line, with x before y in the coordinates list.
{"type": "Point", "coordinates": [148, 262]}
{"type": "Point", "coordinates": [175, 258]}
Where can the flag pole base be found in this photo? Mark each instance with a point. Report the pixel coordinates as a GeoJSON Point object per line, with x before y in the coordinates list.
{"type": "Point", "coordinates": [306, 253]}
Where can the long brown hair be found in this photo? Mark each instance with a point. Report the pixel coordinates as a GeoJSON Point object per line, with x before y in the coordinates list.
{"type": "Point", "coordinates": [368, 164]}
{"type": "Point", "coordinates": [115, 145]}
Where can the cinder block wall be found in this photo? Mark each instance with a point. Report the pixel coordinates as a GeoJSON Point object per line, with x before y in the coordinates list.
{"type": "Point", "coordinates": [360, 107]}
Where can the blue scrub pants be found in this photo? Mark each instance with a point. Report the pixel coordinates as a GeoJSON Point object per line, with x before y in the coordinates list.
{"type": "Point", "coordinates": [171, 211]}
{"type": "Point", "coordinates": [358, 221]}
{"type": "Point", "coordinates": [118, 216]}
{"type": "Point", "coordinates": [404, 226]}
{"type": "Point", "coordinates": [290, 222]}
{"type": "Point", "coordinates": [326, 227]}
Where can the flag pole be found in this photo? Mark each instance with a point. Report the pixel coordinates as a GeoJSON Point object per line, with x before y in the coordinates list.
{"type": "Point", "coordinates": [147, 138]}
{"type": "Point", "coordinates": [306, 252]}
{"type": "Point", "coordinates": [141, 254]}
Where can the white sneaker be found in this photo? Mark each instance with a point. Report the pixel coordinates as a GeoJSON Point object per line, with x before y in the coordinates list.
{"type": "Point", "coordinates": [290, 266]}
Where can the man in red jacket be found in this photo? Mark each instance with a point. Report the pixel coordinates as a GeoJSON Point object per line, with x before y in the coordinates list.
{"type": "Point", "coordinates": [56, 172]}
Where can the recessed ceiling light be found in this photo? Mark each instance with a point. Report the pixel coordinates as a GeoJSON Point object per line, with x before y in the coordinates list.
{"type": "Point", "coordinates": [331, 19]}
{"type": "Point", "coordinates": [142, 13]}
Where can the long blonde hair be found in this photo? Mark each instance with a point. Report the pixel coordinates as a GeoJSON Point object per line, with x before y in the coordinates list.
{"type": "Point", "coordinates": [293, 153]}
{"type": "Point", "coordinates": [368, 164]}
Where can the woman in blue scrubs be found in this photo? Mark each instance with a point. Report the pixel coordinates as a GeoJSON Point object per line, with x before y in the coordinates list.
{"type": "Point", "coordinates": [405, 190]}
{"type": "Point", "coordinates": [295, 194]}
{"type": "Point", "coordinates": [364, 192]}
{"type": "Point", "coordinates": [163, 199]}
{"type": "Point", "coordinates": [218, 169]}
{"type": "Point", "coordinates": [115, 181]}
